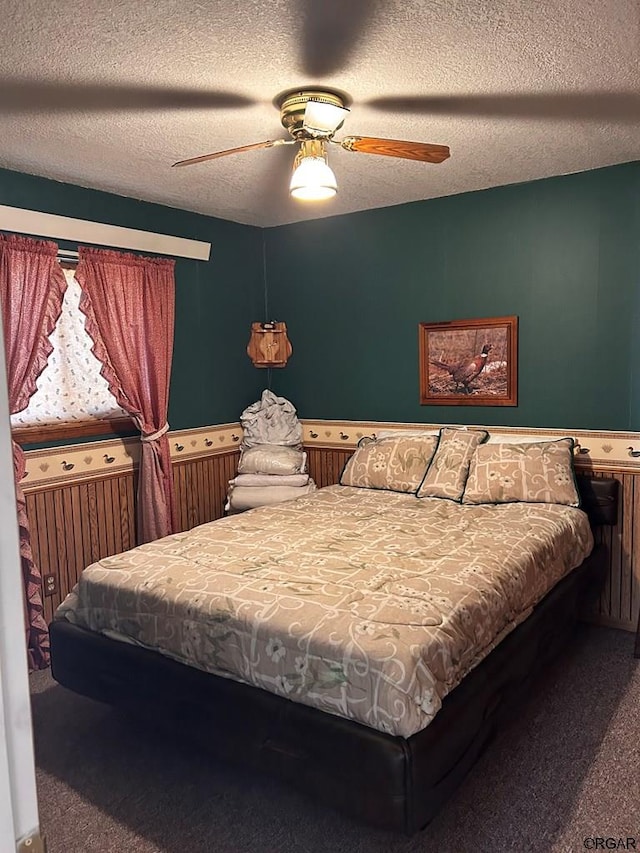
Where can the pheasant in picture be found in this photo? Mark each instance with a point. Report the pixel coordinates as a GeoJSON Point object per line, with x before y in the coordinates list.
{"type": "Point", "coordinates": [464, 372]}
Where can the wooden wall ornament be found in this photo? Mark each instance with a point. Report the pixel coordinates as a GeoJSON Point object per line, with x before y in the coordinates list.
{"type": "Point", "coordinates": [269, 345]}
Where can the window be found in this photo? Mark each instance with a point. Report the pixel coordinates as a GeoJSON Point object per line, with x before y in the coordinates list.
{"type": "Point", "coordinates": [72, 398]}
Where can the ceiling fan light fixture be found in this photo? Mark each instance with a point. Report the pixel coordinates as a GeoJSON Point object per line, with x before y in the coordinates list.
{"type": "Point", "coordinates": [321, 118]}
{"type": "Point", "coordinates": [313, 178]}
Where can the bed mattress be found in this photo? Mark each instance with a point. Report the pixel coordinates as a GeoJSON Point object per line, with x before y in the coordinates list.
{"type": "Point", "coordinates": [366, 604]}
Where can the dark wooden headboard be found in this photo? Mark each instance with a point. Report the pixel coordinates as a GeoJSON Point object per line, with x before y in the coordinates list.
{"type": "Point", "coordinates": [599, 498]}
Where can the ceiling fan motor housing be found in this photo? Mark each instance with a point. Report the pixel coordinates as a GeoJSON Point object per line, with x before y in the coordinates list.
{"type": "Point", "coordinates": [293, 105]}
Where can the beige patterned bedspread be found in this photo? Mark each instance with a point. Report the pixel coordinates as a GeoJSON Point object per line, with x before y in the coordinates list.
{"type": "Point", "coordinates": [367, 604]}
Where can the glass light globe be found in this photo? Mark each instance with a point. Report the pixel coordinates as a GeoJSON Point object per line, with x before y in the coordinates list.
{"type": "Point", "coordinates": [313, 180]}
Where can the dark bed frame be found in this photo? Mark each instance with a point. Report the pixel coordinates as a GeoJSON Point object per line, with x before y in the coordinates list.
{"type": "Point", "coordinates": [389, 781]}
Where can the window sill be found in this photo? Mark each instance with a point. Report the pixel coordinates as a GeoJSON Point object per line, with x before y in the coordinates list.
{"type": "Point", "coordinates": [73, 429]}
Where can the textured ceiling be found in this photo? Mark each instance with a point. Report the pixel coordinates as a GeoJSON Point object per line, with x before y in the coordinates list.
{"type": "Point", "coordinates": [109, 94]}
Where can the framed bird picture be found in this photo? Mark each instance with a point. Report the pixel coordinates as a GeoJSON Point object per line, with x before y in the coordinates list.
{"type": "Point", "coordinates": [469, 362]}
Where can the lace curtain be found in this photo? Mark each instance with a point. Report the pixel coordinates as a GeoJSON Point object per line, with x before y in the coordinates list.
{"type": "Point", "coordinates": [71, 387]}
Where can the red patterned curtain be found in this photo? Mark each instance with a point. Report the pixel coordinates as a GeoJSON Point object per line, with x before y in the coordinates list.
{"type": "Point", "coordinates": [32, 287]}
{"type": "Point", "coordinates": [129, 303]}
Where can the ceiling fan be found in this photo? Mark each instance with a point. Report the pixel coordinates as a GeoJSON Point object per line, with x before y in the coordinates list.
{"type": "Point", "coordinates": [312, 117]}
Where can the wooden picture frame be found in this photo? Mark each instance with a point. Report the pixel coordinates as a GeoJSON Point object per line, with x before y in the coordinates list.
{"type": "Point", "coordinates": [469, 362]}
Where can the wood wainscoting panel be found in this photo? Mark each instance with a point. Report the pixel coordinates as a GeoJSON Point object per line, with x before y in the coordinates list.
{"type": "Point", "coordinates": [73, 525]}
{"type": "Point", "coordinates": [620, 600]}
{"type": "Point", "coordinates": [201, 485]}
{"type": "Point", "coordinates": [326, 464]}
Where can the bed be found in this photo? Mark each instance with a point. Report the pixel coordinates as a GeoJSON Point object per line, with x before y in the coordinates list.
{"type": "Point", "coordinates": [362, 642]}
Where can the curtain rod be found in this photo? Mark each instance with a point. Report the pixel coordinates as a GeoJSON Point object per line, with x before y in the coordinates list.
{"type": "Point", "coordinates": [55, 227]}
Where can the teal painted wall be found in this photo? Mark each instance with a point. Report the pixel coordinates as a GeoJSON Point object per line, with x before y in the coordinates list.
{"type": "Point", "coordinates": [212, 378]}
{"type": "Point", "coordinates": [563, 254]}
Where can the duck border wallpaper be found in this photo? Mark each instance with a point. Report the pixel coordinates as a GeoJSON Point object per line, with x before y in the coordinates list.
{"type": "Point", "coordinates": [469, 362]}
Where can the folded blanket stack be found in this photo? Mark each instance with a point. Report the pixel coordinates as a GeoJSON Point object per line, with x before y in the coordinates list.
{"type": "Point", "coordinates": [273, 466]}
{"type": "Point", "coordinates": [268, 474]}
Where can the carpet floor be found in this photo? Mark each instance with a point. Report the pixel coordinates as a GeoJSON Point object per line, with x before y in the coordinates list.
{"type": "Point", "coordinates": [567, 769]}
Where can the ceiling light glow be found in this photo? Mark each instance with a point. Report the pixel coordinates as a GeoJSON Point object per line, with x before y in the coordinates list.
{"type": "Point", "coordinates": [313, 178]}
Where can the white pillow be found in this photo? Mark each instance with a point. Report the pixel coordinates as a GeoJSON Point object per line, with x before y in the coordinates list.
{"type": "Point", "coordinates": [495, 438]}
{"type": "Point", "coordinates": [249, 497]}
{"type": "Point", "coordinates": [393, 433]}
{"type": "Point", "coordinates": [270, 480]}
{"type": "Point", "coordinates": [272, 459]}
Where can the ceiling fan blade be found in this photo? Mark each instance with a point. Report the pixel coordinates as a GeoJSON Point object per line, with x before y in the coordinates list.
{"type": "Point", "coordinates": [423, 151]}
{"type": "Point", "coordinates": [622, 107]}
{"type": "Point", "coordinates": [24, 96]}
{"type": "Point", "coordinates": [330, 32]}
{"type": "Point", "coordinates": [270, 143]}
